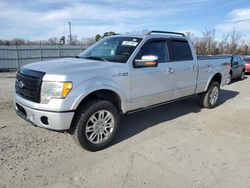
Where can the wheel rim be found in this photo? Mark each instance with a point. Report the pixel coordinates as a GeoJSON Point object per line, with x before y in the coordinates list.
{"type": "Point", "coordinates": [214, 95]}
{"type": "Point", "coordinates": [99, 126]}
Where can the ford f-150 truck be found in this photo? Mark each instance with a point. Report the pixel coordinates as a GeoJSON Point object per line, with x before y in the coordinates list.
{"type": "Point", "coordinates": [119, 74]}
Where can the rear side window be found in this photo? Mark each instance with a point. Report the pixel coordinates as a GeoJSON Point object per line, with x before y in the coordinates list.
{"type": "Point", "coordinates": [179, 50]}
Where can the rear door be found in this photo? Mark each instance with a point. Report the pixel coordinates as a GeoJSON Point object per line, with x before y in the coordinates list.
{"type": "Point", "coordinates": [184, 67]}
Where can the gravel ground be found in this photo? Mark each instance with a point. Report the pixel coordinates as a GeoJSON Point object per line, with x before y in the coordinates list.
{"type": "Point", "coordinates": [175, 145]}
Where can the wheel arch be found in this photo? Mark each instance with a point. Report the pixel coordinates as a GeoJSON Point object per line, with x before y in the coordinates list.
{"type": "Point", "coordinates": [216, 77]}
{"type": "Point", "coordinates": [108, 94]}
{"type": "Point", "coordinates": [103, 94]}
{"type": "Point", "coordinates": [231, 72]}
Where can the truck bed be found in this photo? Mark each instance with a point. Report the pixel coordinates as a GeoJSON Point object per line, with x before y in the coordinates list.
{"type": "Point", "coordinates": [209, 65]}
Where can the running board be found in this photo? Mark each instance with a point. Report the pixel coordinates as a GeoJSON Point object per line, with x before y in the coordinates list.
{"type": "Point", "coordinates": [156, 105]}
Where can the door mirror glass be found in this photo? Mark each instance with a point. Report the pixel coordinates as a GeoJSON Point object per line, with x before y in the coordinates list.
{"type": "Point", "coordinates": [146, 61]}
{"type": "Point", "coordinates": [149, 57]}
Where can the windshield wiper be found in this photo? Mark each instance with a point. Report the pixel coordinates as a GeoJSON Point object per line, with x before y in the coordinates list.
{"type": "Point", "coordinates": [96, 58]}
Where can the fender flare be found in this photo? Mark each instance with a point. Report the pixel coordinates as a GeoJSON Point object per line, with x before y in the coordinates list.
{"type": "Point", "coordinates": [211, 78]}
{"type": "Point", "coordinates": [86, 93]}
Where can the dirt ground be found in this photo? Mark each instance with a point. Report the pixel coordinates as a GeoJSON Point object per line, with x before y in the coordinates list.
{"type": "Point", "coordinates": [175, 145]}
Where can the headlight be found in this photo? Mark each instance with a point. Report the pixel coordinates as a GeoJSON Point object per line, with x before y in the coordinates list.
{"type": "Point", "coordinates": [57, 90]}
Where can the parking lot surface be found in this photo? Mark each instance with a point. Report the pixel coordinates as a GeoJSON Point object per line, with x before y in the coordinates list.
{"type": "Point", "coordinates": [174, 145]}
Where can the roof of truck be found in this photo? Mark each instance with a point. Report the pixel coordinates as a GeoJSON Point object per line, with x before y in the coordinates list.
{"type": "Point", "coordinates": [155, 33]}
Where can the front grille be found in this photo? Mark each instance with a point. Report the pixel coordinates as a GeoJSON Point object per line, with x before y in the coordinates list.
{"type": "Point", "coordinates": [28, 84]}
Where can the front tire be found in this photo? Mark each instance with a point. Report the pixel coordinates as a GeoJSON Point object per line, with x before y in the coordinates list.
{"type": "Point", "coordinates": [209, 99]}
{"type": "Point", "coordinates": [96, 125]}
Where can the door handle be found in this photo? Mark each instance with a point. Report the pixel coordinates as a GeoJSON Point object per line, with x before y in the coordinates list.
{"type": "Point", "coordinates": [194, 67]}
{"type": "Point", "coordinates": [170, 70]}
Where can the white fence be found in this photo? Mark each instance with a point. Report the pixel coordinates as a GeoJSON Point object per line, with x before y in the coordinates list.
{"type": "Point", "coordinates": [13, 57]}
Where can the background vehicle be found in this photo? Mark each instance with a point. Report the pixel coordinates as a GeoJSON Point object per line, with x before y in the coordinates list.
{"type": "Point", "coordinates": [237, 67]}
{"type": "Point", "coordinates": [119, 74]}
{"type": "Point", "coordinates": [247, 64]}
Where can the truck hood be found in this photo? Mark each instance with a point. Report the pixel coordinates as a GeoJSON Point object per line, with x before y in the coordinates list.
{"type": "Point", "coordinates": [75, 69]}
{"type": "Point", "coordinates": [68, 66]}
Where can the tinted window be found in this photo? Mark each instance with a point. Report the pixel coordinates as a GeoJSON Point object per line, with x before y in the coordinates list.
{"type": "Point", "coordinates": [247, 58]}
{"type": "Point", "coordinates": [157, 48]}
{"type": "Point", "coordinates": [235, 59]}
{"type": "Point", "coordinates": [179, 50]}
{"type": "Point", "coordinates": [240, 60]}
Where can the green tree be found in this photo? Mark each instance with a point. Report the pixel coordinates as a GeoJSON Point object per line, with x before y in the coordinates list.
{"type": "Point", "coordinates": [110, 33]}
{"type": "Point", "coordinates": [98, 37]}
{"type": "Point", "coordinates": [62, 40]}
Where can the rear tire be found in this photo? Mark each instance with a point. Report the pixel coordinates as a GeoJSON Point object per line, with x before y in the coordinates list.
{"type": "Point", "coordinates": [209, 99]}
{"type": "Point", "coordinates": [96, 125]}
{"type": "Point", "coordinates": [242, 75]}
{"type": "Point", "coordinates": [230, 78]}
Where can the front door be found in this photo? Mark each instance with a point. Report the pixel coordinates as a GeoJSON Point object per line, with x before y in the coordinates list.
{"type": "Point", "coordinates": [235, 67]}
{"type": "Point", "coordinates": [152, 85]}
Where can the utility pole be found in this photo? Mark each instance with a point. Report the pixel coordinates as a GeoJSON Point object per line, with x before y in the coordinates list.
{"type": "Point", "coordinates": [70, 37]}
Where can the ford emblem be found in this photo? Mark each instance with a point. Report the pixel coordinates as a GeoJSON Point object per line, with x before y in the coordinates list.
{"type": "Point", "coordinates": [20, 84]}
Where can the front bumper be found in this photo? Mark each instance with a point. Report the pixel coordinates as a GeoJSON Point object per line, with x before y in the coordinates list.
{"type": "Point", "coordinates": [45, 119]}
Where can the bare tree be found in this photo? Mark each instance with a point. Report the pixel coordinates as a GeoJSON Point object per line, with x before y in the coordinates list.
{"type": "Point", "coordinates": [190, 35]}
{"type": "Point", "coordinates": [224, 44]}
{"type": "Point", "coordinates": [88, 41]}
{"type": "Point", "coordinates": [205, 45]}
{"type": "Point", "coordinates": [194, 40]}
{"type": "Point", "coordinates": [17, 42]}
{"type": "Point", "coordinates": [234, 38]}
{"type": "Point", "coordinates": [74, 40]}
{"type": "Point", "coordinates": [53, 41]}
{"type": "Point", "coordinates": [209, 41]}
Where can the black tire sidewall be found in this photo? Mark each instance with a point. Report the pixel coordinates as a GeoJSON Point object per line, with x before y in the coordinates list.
{"type": "Point", "coordinates": [242, 75]}
{"type": "Point", "coordinates": [86, 113]}
{"type": "Point", "coordinates": [214, 84]}
{"type": "Point", "coordinates": [231, 78]}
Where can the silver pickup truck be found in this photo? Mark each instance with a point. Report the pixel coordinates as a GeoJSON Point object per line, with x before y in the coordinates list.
{"type": "Point", "coordinates": [119, 74]}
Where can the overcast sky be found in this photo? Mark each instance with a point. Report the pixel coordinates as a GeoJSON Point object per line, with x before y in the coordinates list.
{"type": "Point", "coordinates": [42, 19]}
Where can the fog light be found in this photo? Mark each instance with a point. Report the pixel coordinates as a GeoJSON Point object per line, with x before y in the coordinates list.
{"type": "Point", "coordinates": [44, 120]}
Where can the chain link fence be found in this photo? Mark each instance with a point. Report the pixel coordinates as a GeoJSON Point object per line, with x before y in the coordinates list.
{"type": "Point", "coordinates": [13, 57]}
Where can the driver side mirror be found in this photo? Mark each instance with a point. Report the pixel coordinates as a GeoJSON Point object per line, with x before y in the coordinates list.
{"type": "Point", "coordinates": [146, 61]}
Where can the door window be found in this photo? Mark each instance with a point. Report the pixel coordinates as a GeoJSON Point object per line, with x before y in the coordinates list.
{"type": "Point", "coordinates": [235, 60]}
{"type": "Point", "coordinates": [179, 50]}
{"type": "Point", "coordinates": [156, 48]}
{"type": "Point", "coordinates": [240, 60]}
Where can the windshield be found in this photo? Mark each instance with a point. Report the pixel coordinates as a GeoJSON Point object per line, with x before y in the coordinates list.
{"type": "Point", "coordinates": [114, 49]}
